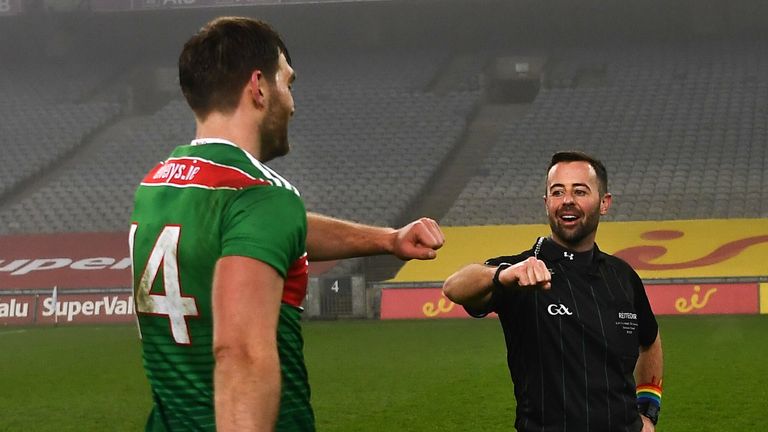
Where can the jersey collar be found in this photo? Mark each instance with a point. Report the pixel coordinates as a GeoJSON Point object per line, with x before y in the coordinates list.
{"type": "Point", "coordinates": [552, 253]}
{"type": "Point", "coordinates": [203, 141]}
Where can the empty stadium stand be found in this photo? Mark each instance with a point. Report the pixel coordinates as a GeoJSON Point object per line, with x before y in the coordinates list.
{"type": "Point", "coordinates": [682, 130]}
{"type": "Point", "coordinates": [44, 118]}
{"type": "Point", "coordinates": [364, 146]}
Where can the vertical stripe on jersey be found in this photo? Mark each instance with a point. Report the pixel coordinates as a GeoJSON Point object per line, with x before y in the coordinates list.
{"type": "Point", "coordinates": [621, 285]}
{"type": "Point", "coordinates": [626, 296]}
{"type": "Point", "coordinates": [607, 285]}
{"type": "Point", "coordinates": [605, 360]}
{"type": "Point", "coordinates": [583, 344]}
{"type": "Point", "coordinates": [541, 356]}
{"type": "Point", "coordinates": [562, 369]}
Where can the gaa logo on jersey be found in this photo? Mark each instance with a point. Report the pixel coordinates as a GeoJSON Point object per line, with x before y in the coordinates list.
{"type": "Point", "coordinates": [558, 309]}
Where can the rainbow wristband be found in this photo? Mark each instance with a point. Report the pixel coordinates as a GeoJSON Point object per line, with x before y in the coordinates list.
{"type": "Point", "coordinates": [649, 401]}
{"type": "Point", "coordinates": [649, 393]}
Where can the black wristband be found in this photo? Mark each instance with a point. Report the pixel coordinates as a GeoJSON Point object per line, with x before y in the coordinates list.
{"type": "Point", "coordinates": [496, 282]}
{"type": "Point", "coordinates": [649, 410]}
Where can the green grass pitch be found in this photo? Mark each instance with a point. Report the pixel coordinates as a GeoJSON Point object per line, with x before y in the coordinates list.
{"type": "Point", "coordinates": [447, 375]}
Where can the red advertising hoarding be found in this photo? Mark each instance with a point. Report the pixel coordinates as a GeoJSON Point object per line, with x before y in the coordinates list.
{"type": "Point", "coordinates": [682, 299]}
{"type": "Point", "coordinates": [68, 261]}
{"type": "Point", "coordinates": [17, 310]}
{"type": "Point", "coordinates": [414, 303]}
{"type": "Point", "coordinates": [74, 261]}
{"type": "Point", "coordinates": [66, 309]}
{"type": "Point", "coordinates": [697, 299]}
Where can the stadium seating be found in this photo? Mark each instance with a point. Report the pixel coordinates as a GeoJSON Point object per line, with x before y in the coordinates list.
{"type": "Point", "coordinates": [368, 161]}
{"type": "Point", "coordinates": [364, 146]}
{"type": "Point", "coordinates": [43, 118]}
{"type": "Point", "coordinates": [94, 193]}
{"type": "Point", "coordinates": [681, 130]}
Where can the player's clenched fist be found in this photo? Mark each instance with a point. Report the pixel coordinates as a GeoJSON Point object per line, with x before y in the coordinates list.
{"type": "Point", "coordinates": [529, 273]}
{"type": "Point", "coordinates": [419, 239]}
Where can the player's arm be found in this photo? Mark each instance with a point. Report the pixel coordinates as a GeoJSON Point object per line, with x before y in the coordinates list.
{"type": "Point", "coordinates": [246, 306]}
{"type": "Point", "coordinates": [330, 238]}
{"type": "Point", "coordinates": [473, 285]}
{"type": "Point", "coordinates": [648, 372]}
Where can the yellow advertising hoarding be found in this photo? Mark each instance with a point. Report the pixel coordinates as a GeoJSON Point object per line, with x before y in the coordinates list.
{"type": "Point", "coordinates": [656, 249]}
{"type": "Point", "coordinates": [764, 298]}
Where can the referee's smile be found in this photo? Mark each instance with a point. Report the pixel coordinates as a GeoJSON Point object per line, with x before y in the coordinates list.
{"type": "Point", "coordinates": [569, 218]}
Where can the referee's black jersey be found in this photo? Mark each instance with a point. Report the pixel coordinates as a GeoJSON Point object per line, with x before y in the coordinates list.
{"type": "Point", "coordinates": [572, 350]}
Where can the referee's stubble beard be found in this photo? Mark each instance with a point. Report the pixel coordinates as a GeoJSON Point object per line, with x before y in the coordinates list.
{"type": "Point", "coordinates": [586, 225]}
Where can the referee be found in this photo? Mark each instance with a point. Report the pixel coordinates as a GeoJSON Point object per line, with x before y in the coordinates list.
{"type": "Point", "coordinates": [577, 322]}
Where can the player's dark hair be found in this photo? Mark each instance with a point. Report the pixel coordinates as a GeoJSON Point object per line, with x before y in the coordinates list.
{"type": "Point", "coordinates": [218, 61]}
{"type": "Point", "coordinates": [577, 156]}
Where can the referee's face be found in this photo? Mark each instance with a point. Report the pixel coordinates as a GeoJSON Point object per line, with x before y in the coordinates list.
{"type": "Point", "coordinates": [574, 204]}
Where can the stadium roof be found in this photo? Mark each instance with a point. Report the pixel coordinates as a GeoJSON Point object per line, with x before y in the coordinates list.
{"type": "Point", "coordinates": [135, 5]}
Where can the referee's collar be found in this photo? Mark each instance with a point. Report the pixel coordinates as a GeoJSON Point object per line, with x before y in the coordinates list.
{"type": "Point", "coordinates": [551, 252]}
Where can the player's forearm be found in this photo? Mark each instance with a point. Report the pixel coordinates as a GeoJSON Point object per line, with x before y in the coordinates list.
{"type": "Point", "coordinates": [648, 375]}
{"type": "Point", "coordinates": [247, 391]}
{"type": "Point", "coordinates": [471, 286]}
{"type": "Point", "coordinates": [650, 364]}
{"type": "Point", "coordinates": [329, 238]}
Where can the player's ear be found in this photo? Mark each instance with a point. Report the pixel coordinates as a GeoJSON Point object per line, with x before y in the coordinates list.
{"type": "Point", "coordinates": [256, 86]}
{"type": "Point", "coordinates": [605, 203]}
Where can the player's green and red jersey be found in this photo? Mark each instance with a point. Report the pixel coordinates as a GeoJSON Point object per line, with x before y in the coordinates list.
{"type": "Point", "coordinates": [212, 199]}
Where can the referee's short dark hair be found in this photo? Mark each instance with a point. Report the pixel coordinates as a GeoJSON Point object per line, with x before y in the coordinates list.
{"type": "Point", "coordinates": [577, 156]}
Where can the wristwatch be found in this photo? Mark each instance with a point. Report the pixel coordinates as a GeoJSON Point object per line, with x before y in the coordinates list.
{"type": "Point", "coordinates": [649, 410]}
{"type": "Point", "coordinates": [496, 282]}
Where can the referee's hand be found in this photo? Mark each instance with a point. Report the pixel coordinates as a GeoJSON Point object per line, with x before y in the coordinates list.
{"type": "Point", "coordinates": [531, 273]}
{"type": "Point", "coordinates": [648, 425]}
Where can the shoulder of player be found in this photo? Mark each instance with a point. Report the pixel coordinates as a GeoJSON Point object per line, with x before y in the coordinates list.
{"type": "Point", "coordinates": [269, 193]}
{"type": "Point", "coordinates": [262, 204]}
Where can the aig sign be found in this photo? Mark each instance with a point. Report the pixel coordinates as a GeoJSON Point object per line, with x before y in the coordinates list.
{"type": "Point", "coordinates": [10, 7]}
{"type": "Point", "coordinates": [165, 3]}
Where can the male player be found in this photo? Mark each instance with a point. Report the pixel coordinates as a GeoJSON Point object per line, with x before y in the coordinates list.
{"type": "Point", "coordinates": [576, 321]}
{"type": "Point", "coordinates": [220, 243]}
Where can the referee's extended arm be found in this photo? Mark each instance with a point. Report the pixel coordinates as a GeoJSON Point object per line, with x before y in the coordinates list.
{"type": "Point", "coordinates": [473, 285]}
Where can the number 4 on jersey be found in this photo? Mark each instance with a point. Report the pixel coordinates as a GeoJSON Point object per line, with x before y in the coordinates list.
{"type": "Point", "coordinates": [171, 304]}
